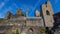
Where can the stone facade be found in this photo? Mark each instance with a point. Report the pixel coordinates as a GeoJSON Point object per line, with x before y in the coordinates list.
{"type": "Point", "coordinates": [26, 24]}
{"type": "Point", "coordinates": [47, 14]}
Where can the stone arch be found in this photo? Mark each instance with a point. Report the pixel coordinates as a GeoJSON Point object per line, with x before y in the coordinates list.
{"type": "Point", "coordinates": [27, 30]}
{"type": "Point", "coordinates": [47, 12]}
{"type": "Point", "coordinates": [30, 29]}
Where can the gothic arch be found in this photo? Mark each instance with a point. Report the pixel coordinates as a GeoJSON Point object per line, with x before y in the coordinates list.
{"type": "Point", "coordinates": [47, 12]}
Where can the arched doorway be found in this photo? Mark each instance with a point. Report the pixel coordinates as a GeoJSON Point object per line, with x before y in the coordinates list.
{"type": "Point", "coordinates": [30, 31]}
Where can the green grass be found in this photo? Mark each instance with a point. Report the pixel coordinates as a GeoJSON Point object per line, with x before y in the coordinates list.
{"type": "Point", "coordinates": [1, 19]}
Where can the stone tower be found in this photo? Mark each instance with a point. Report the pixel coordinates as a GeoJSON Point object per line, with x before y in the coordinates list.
{"type": "Point", "coordinates": [47, 14]}
{"type": "Point", "coordinates": [26, 12]}
{"type": "Point", "coordinates": [9, 14]}
{"type": "Point", "coordinates": [37, 13]}
{"type": "Point", "coordinates": [19, 11]}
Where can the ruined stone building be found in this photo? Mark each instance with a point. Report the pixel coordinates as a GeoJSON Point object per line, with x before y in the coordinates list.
{"type": "Point", "coordinates": [25, 24]}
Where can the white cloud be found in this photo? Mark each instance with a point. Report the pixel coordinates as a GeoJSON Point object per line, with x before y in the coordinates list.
{"type": "Point", "coordinates": [6, 0]}
{"type": "Point", "coordinates": [7, 9]}
{"type": "Point", "coordinates": [16, 5]}
{"type": "Point", "coordinates": [1, 5]}
{"type": "Point", "coordinates": [10, 8]}
{"type": "Point", "coordinates": [1, 16]}
{"type": "Point", "coordinates": [56, 1]}
{"type": "Point", "coordinates": [36, 4]}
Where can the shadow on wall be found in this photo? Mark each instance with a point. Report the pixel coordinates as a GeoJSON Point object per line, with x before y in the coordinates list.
{"type": "Point", "coordinates": [56, 24]}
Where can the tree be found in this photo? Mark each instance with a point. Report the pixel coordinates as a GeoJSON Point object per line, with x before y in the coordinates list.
{"type": "Point", "coordinates": [1, 19]}
{"type": "Point", "coordinates": [17, 32]}
{"type": "Point", "coordinates": [42, 30]}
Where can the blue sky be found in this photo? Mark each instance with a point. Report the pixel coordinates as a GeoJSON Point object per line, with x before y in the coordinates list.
{"type": "Point", "coordinates": [32, 5]}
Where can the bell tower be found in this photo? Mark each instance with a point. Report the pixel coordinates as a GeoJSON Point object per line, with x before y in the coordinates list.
{"type": "Point", "coordinates": [47, 14]}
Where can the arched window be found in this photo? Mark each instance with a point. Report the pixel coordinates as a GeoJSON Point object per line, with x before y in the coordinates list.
{"type": "Point", "coordinates": [47, 12]}
{"type": "Point", "coordinates": [30, 29]}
